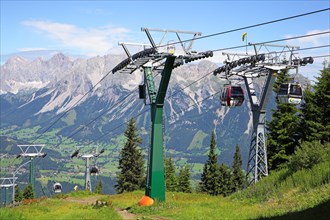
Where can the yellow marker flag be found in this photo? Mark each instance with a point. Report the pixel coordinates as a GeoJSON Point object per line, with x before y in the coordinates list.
{"type": "Point", "coordinates": [243, 36]}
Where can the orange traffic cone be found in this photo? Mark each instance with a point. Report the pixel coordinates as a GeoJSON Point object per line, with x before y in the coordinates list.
{"type": "Point", "coordinates": [146, 201]}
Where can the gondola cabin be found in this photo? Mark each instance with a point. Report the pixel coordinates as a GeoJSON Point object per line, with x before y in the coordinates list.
{"type": "Point", "coordinates": [290, 93]}
{"type": "Point", "coordinates": [94, 170]}
{"type": "Point", "coordinates": [232, 96]}
{"type": "Point", "coordinates": [57, 187]}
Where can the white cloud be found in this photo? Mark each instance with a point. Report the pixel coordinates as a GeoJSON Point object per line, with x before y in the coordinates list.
{"type": "Point", "coordinates": [217, 58]}
{"type": "Point", "coordinates": [31, 49]}
{"type": "Point", "coordinates": [312, 70]}
{"type": "Point", "coordinates": [315, 40]}
{"type": "Point", "coordinates": [92, 41]}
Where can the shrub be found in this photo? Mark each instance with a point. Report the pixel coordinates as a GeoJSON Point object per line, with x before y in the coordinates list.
{"type": "Point", "coordinates": [308, 155]}
{"type": "Point", "coordinates": [18, 194]}
{"type": "Point", "coordinates": [28, 192]}
{"type": "Point", "coordinates": [100, 204]}
{"type": "Point", "coordinates": [60, 196]}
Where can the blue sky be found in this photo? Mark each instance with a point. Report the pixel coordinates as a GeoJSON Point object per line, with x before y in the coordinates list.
{"type": "Point", "coordinates": [91, 28]}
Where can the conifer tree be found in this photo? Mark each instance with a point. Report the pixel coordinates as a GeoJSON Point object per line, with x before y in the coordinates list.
{"type": "Point", "coordinates": [184, 180]}
{"type": "Point", "coordinates": [18, 194]}
{"type": "Point", "coordinates": [283, 130]}
{"type": "Point", "coordinates": [131, 162]}
{"type": "Point", "coordinates": [309, 123]}
{"type": "Point", "coordinates": [322, 98]}
{"type": "Point", "coordinates": [283, 134]}
{"type": "Point", "coordinates": [238, 178]}
{"type": "Point", "coordinates": [99, 187]}
{"type": "Point", "coordinates": [209, 178]}
{"type": "Point", "coordinates": [28, 192]}
{"type": "Point", "coordinates": [282, 77]}
{"type": "Point", "coordinates": [315, 119]}
{"type": "Point", "coordinates": [170, 176]}
{"type": "Point", "coordinates": [225, 180]}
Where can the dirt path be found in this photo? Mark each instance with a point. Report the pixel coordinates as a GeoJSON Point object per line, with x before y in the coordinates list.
{"type": "Point", "coordinates": [130, 216]}
{"type": "Point", "coordinates": [124, 214]}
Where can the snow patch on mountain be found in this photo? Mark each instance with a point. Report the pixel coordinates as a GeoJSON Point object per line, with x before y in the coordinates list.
{"type": "Point", "coordinates": [132, 80]}
{"type": "Point", "coordinates": [16, 86]}
{"type": "Point", "coordinates": [249, 125]}
{"type": "Point", "coordinates": [73, 101]}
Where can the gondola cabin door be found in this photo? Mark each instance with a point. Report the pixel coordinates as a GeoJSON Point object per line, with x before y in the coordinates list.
{"type": "Point", "coordinates": [290, 93]}
{"type": "Point", "coordinates": [57, 187]}
{"type": "Point", "coordinates": [232, 96]}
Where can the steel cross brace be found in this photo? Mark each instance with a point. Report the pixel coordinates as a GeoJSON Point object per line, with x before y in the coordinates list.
{"type": "Point", "coordinates": [257, 162]}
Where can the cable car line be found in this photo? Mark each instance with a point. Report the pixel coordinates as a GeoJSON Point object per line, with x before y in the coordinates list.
{"type": "Point", "coordinates": [172, 94]}
{"type": "Point", "coordinates": [250, 26]}
{"type": "Point", "coordinates": [108, 132]}
{"type": "Point", "coordinates": [175, 93]}
{"type": "Point", "coordinates": [202, 37]}
{"type": "Point", "coordinates": [141, 113]}
{"type": "Point", "coordinates": [200, 101]}
{"type": "Point", "coordinates": [273, 41]}
{"type": "Point", "coordinates": [145, 111]}
{"type": "Point", "coordinates": [321, 56]}
{"type": "Point", "coordinates": [308, 48]}
{"type": "Point", "coordinates": [103, 113]}
{"type": "Point", "coordinates": [74, 105]}
{"type": "Point", "coordinates": [168, 96]}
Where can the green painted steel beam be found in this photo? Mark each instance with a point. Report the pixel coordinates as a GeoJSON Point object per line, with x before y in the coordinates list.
{"type": "Point", "coordinates": [165, 80]}
{"type": "Point", "coordinates": [6, 196]}
{"type": "Point", "coordinates": [156, 174]}
{"type": "Point", "coordinates": [31, 175]}
{"type": "Point", "coordinates": [156, 180]}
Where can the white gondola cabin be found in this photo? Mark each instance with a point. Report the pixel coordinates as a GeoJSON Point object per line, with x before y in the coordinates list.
{"type": "Point", "coordinates": [290, 93]}
{"type": "Point", "coordinates": [57, 187]}
{"type": "Point", "coordinates": [232, 96]}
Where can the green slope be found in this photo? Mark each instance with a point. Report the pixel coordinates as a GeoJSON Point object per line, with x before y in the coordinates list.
{"type": "Point", "coordinates": [304, 194]}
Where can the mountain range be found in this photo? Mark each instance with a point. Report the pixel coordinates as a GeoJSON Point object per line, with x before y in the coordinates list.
{"type": "Point", "coordinates": [65, 103]}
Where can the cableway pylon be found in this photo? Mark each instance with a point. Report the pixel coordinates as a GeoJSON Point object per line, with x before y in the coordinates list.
{"type": "Point", "coordinates": [249, 67]}
{"type": "Point", "coordinates": [31, 151]}
{"type": "Point", "coordinates": [6, 183]}
{"type": "Point", "coordinates": [89, 170]}
{"type": "Point", "coordinates": [152, 61]}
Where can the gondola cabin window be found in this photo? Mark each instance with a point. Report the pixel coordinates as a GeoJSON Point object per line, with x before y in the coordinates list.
{"type": "Point", "coordinates": [232, 96]}
{"type": "Point", "coordinates": [290, 93]}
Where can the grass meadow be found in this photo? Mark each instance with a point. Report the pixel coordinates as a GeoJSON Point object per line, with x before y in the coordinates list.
{"type": "Point", "coordinates": [304, 194]}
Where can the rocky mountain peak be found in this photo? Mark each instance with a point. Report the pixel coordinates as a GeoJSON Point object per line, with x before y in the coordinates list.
{"type": "Point", "coordinates": [16, 60]}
